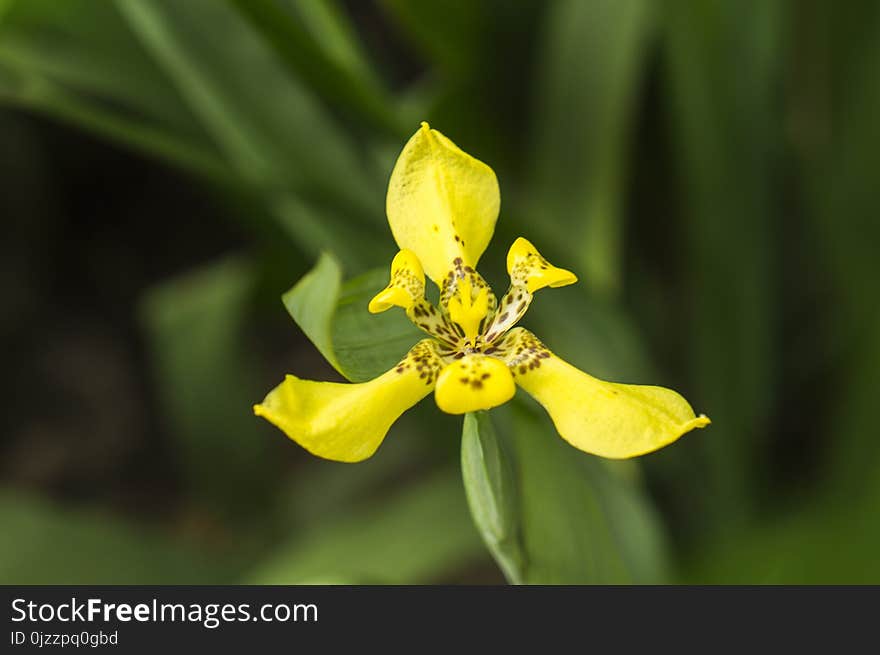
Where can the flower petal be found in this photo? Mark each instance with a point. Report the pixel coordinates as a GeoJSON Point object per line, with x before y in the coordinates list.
{"type": "Point", "coordinates": [472, 383]}
{"type": "Point", "coordinates": [442, 203]}
{"type": "Point", "coordinates": [529, 272]}
{"type": "Point", "coordinates": [603, 418]}
{"type": "Point", "coordinates": [406, 287]}
{"type": "Point", "coordinates": [347, 422]}
{"type": "Point", "coordinates": [525, 265]}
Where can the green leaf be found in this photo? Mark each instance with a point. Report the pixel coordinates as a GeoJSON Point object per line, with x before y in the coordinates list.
{"type": "Point", "coordinates": [490, 490]}
{"type": "Point", "coordinates": [231, 113]}
{"type": "Point", "coordinates": [207, 383]}
{"type": "Point", "coordinates": [818, 543]}
{"type": "Point", "coordinates": [588, 75]}
{"type": "Point", "coordinates": [317, 228]}
{"type": "Point", "coordinates": [597, 335]}
{"type": "Point", "coordinates": [342, 487]}
{"type": "Point", "coordinates": [43, 96]}
{"type": "Point", "coordinates": [314, 40]}
{"type": "Point", "coordinates": [581, 522]}
{"type": "Point", "coordinates": [418, 536]}
{"type": "Point", "coordinates": [48, 544]}
{"type": "Point", "coordinates": [840, 143]}
{"type": "Point", "coordinates": [86, 48]}
{"type": "Point", "coordinates": [77, 62]}
{"type": "Point", "coordinates": [312, 304]}
{"type": "Point", "coordinates": [724, 72]}
{"type": "Point", "coordinates": [449, 32]}
{"type": "Point", "coordinates": [270, 126]}
{"type": "Point", "coordinates": [5, 5]}
{"type": "Point", "coordinates": [370, 344]}
{"type": "Point", "coordinates": [468, 92]}
{"type": "Point", "coordinates": [334, 317]}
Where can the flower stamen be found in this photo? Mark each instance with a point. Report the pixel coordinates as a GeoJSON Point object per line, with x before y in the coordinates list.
{"type": "Point", "coordinates": [468, 310]}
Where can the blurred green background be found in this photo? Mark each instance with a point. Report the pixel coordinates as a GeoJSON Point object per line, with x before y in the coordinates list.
{"type": "Point", "coordinates": [709, 168]}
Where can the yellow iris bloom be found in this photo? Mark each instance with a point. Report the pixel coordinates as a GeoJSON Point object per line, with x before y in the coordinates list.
{"type": "Point", "coordinates": [442, 206]}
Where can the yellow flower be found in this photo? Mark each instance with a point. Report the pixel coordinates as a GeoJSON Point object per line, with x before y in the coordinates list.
{"type": "Point", "coordinates": [442, 206]}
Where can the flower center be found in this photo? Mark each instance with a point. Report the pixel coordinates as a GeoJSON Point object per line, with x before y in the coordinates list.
{"type": "Point", "coordinates": [469, 319]}
{"type": "Point", "coordinates": [467, 309]}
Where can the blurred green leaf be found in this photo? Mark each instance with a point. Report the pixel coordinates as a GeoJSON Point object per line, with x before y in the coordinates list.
{"type": "Point", "coordinates": [48, 544]}
{"type": "Point", "coordinates": [468, 92]}
{"type": "Point", "coordinates": [86, 48]}
{"type": "Point", "coordinates": [403, 452]}
{"type": "Point", "coordinates": [77, 62]}
{"type": "Point", "coordinates": [358, 344]}
{"type": "Point", "coordinates": [449, 32]}
{"type": "Point", "coordinates": [41, 96]}
{"type": "Point", "coordinates": [274, 133]}
{"type": "Point", "coordinates": [313, 38]}
{"type": "Point", "coordinates": [491, 493]}
{"type": "Point", "coordinates": [267, 123]}
{"type": "Point", "coordinates": [417, 536]}
{"type": "Point", "coordinates": [723, 67]}
{"type": "Point", "coordinates": [592, 333]}
{"type": "Point", "coordinates": [317, 228]}
{"type": "Point", "coordinates": [582, 523]}
{"type": "Point", "coordinates": [840, 147]}
{"type": "Point", "coordinates": [331, 29]}
{"type": "Point", "coordinates": [820, 543]}
{"type": "Point", "coordinates": [207, 382]}
{"type": "Point", "coordinates": [591, 64]}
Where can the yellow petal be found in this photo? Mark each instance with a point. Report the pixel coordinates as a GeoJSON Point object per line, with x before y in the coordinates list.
{"type": "Point", "coordinates": [472, 383]}
{"type": "Point", "coordinates": [406, 287]}
{"type": "Point", "coordinates": [529, 272]}
{"type": "Point", "coordinates": [442, 203]}
{"type": "Point", "coordinates": [525, 264]}
{"type": "Point", "coordinates": [347, 422]}
{"type": "Point", "coordinates": [603, 418]}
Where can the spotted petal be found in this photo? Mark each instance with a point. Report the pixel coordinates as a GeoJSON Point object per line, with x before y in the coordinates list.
{"type": "Point", "coordinates": [406, 287]}
{"type": "Point", "coordinates": [442, 203]}
{"type": "Point", "coordinates": [603, 418]}
{"type": "Point", "coordinates": [472, 383]}
{"type": "Point", "coordinates": [347, 422]}
{"type": "Point", "coordinates": [529, 272]}
{"type": "Point", "coordinates": [527, 267]}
